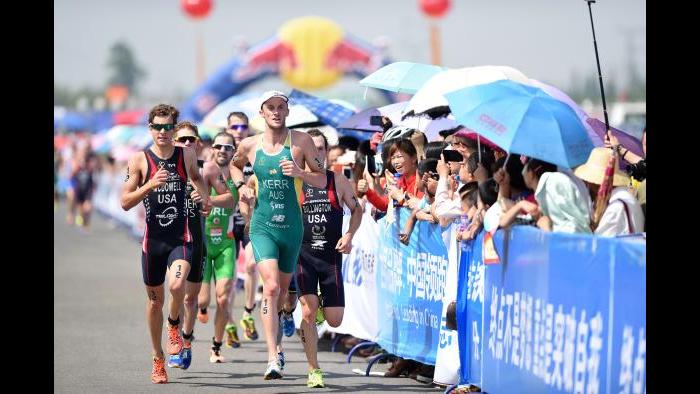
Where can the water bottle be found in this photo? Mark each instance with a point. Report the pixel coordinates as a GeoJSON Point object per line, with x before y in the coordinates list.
{"type": "Point", "coordinates": [397, 177]}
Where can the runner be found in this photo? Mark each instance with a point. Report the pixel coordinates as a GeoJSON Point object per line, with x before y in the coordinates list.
{"type": "Point", "coordinates": [221, 249]}
{"type": "Point", "coordinates": [320, 261]}
{"type": "Point", "coordinates": [276, 222]}
{"type": "Point", "coordinates": [83, 183]}
{"type": "Point", "coordinates": [158, 177]}
{"type": "Point", "coordinates": [187, 135]}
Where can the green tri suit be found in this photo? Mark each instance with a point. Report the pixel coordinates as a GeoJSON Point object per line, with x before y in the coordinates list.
{"type": "Point", "coordinates": [276, 227]}
{"type": "Point", "coordinates": [221, 245]}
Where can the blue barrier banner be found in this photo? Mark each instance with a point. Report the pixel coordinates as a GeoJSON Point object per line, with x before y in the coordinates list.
{"type": "Point", "coordinates": [411, 287]}
{"type": "Point", "coordinates": [564, 313]}
{"type": "Point", "coordinates": [470, 304]}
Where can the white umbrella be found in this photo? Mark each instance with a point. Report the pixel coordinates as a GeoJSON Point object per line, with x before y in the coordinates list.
{"type": "Point", "coordinates": [247, 103]}
{"type": "Point", "coordinates": [431, 95]}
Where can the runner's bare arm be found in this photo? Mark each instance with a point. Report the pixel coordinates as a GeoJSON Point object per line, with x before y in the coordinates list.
{"type": "Point", "coordinates": [247, 198]}
{"type": "Point", "coordinates": [240, 158]}
{"type": "Point", "coordinates": [132, 194]}
{"type": "Point", "coordinates": [317, 175]}
{"type": "Point", "coordinates": [347, 195]}
{"type": "Point", "coordinates": [214, 177]}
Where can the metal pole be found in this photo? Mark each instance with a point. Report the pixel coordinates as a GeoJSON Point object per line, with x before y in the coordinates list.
{"type": "Point", "coordinates": [600, 75]}
{"type": "Point", "coordinates": [435, 42]}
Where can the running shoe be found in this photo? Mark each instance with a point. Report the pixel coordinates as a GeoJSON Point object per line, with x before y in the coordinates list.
{"type": "Point", "coordinates": [273, 370]}
{"type": "Point", "coordinates": [79, 220]}
{"type": "Point", "coordinates": [232, 336]}
{"type": "Point", "coordinates": [315, 379]}
{"type": "Point", "coordinates": [186, 356]}
{"type": "Point", "coordinates": [175, 361]}
{"type": "Point", "coordinates": [158, 374]}
{"type": "Point", "coordinates": [203, 317]}
{"type": "Point", "coordinates": [287, 322]}
{"type": "Point", "coordinates": [280, 360]}
{"type": "Point", "coordinates": [174, 340]}
{"type": "Point", "coordinates": [215, 355]}
{"type": "Point", "coordinates": [248, 325]}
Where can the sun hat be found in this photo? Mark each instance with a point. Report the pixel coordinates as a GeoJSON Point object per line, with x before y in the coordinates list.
{"type": "Point", "coordinates": [593, 170]}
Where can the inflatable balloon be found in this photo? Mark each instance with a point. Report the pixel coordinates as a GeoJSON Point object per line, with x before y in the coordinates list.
{"type": "Point", "coordinates": [196, 9]}
{"type": "Point", "coordinates": [434, 8]}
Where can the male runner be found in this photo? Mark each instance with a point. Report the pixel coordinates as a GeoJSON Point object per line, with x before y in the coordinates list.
{"type": "Point", "coordinates": [187, 135]}
{"type": "Point", "coordinates": [278, 156]}
{"type": "Point", "coordinates": [221, 248]}
{"type": "Point", "coordinates": [238, 128]}
{"type": "Point", "coordinates": [158, 177]}
{"type": "Point", "coordinates": [320, 261]}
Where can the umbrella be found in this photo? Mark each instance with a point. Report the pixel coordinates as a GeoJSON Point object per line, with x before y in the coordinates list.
{"type": "Point", "coordinates": [625, 139]}
{"type": "Point", "coordinates": [471, 134]}
{"type": "Point", "coordinates": [360, 121]}
{"type": "Point", "coordinates": [248, 103]}
{"type": "Point", "coordinates": [523, 119]}
{"type": "Point", "coordinates": [328, 112]}
{"type": "Point", "coordinates": [401, 77]}
{"type": "Point", "coordinates": [431, 95]}
{"type": "Point", "coordinates": [596, 138]}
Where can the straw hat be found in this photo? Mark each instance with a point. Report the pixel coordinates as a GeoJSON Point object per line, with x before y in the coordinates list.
{"type": "Point", "coordinates": [593, 171]}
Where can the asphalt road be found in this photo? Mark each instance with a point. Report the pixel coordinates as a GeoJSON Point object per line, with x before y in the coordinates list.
{"type": "Point", "coordinates": [101, 343]}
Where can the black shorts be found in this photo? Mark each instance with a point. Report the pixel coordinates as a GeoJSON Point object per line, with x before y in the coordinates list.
{"type": "Point", "coordinates": [326, 272]}
{"type": "Point", "coordinates": [241, 237]}
{"type": "Point", "coordinates": [157, 256]}
{"type": "Point", "coordinates": [83, 194]}
{"type": "Point", "coordinates": [199, 254]}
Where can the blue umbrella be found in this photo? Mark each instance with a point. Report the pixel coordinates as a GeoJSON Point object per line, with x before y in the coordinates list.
{"type": "Point", "coordinates": [523, 119]}
{"type": "Point", "coordinates": [326, 111]}
{"type": "Point", "coordinates": [401, 77]}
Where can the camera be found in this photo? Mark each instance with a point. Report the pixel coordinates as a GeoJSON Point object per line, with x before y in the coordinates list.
{"type": "Point", "coordinates": [638, 171]}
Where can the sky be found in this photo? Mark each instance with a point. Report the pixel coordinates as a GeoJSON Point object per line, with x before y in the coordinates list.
{"type": "Point", "coordinates": [549, 40]}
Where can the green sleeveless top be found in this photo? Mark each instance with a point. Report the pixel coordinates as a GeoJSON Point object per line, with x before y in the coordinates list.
{"type": "Point", "coordinates": [218, 228]}
{"type": "Point", "coordinates": [278, 206]}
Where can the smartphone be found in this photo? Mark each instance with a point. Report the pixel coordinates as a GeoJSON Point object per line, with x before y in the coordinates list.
{"type": "Point", "coordinates": [374, 165]}
{"type": "Point", "coordinates": [452, 155]}
{"type": "Point", "coordinates": [375, 120]}
{"type": "Point", "coordinates": [347, 172]}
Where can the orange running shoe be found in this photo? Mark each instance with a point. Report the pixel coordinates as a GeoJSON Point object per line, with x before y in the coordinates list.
{"type": "Point", "coordinates": [158, 374]}
{"type": "Point", "coordinates": [174, 340]}
{"type": "Point", "coordinates": [203, 317]}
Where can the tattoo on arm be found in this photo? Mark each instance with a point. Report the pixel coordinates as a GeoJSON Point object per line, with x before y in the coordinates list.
{"type": "Point", "coordinates": [357, 203]}
{"type": "Point", "coordinates": [221, 178]}
{"type": "Point", "coordinates": [318, 163]}
{"type": "Point", "coordinates": [127, 174]}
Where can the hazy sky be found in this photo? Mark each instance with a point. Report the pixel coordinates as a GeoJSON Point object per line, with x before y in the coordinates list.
{"type": "Point", "coordinates": [545, 39]}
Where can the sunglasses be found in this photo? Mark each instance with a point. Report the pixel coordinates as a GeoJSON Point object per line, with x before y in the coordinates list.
{"type": "Point", "coordinates": [189, 138]}
{"type": "Point", "coordinates": [159, 127]}
{"type": "Point", "coordinates": [226, 147]}
{"type": "Point", "coordinates": [238, 127]}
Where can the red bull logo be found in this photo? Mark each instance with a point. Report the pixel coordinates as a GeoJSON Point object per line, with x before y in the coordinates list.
{"type": "Point", "coordinates": [308, 53]}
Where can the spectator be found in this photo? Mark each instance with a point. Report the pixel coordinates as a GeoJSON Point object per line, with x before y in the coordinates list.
{"type": "Point", "coordinates": [421, 207]}
{"type": "Point", "coordinates": [403, 159]}
{"type": "Point", "coordinates": [623, 214]}
{"type": "Point", "coordinates": [563, 206]}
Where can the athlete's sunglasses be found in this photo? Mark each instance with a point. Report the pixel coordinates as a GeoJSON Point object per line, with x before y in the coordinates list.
{"type": "Point", "coordinates": [239, 127]}
{"type": "Point", "coordinates": [226, 147]}
{"type": "Point", "coordinates": [159, 127]}
{"type": "Point", "coordinates": [188, 138]}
